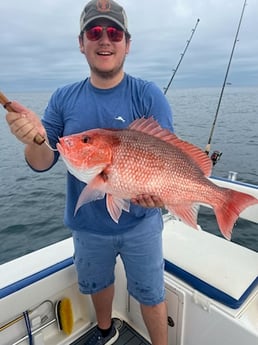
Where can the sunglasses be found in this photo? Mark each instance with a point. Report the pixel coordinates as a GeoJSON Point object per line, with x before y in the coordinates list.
{"type": "Point", "coordinates": [96, 32]}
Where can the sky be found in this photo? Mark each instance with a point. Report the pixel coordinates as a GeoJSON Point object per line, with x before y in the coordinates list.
{"type": "Point", "coordinates": [39, 48]}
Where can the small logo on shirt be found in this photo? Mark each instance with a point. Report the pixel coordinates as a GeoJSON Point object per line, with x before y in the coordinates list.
{"type": "Point", "coordinates": [120, 118]}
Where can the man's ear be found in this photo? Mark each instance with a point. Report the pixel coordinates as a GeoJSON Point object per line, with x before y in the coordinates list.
{"type": "Point", "coordinates": [81, 47]}
{"type": "Point", "coordinates": [127, 48]}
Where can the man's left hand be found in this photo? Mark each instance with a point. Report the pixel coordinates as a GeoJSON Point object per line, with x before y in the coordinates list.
{"type": "Point", "coordinates": [149, 201]}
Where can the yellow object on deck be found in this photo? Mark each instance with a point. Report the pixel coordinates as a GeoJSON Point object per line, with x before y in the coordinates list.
{"type": "Point", "coordinates": [64, 315]}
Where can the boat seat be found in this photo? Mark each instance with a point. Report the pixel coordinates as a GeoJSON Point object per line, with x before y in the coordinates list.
{"type": "Point", "coordinates": [217, 268]}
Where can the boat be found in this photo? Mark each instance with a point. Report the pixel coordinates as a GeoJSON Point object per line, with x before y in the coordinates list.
{"type": "Point", "coordinates": [211, 291]}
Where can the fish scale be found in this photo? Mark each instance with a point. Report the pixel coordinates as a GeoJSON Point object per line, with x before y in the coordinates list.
{"type": "Point", "coordinates": [138, 172]}
{"type": "Point", "coordinates": [131, 164]}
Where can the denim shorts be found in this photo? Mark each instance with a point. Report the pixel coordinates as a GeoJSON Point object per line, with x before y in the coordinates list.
{"type": "Point", "coordinates": [141, 252]}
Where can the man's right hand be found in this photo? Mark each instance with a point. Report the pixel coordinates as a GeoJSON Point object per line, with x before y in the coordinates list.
{"type": "Point", "coordinates": [24, 123]}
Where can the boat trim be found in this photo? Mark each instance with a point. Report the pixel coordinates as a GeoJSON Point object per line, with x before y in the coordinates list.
{"type": "Point", "coordinates": [33, 278]}
{"type": "Point", "coordinates": [192, 280]}
{"type": "Point", "coordinates": [207, 289]}
{"type": "Point", "coordinates": [236, 182]}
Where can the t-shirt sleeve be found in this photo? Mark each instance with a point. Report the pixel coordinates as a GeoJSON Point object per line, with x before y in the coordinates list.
{"type": "Point", "coordinates": [53, 121]}
{"type": "Point", "coordinates": [157, 105]}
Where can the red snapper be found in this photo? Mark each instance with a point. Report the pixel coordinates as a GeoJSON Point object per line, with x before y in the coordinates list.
{"type": "Point", "coordinates": [146, 159]}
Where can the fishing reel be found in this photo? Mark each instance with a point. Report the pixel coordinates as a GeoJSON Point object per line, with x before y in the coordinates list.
{"type": "Point", "coordinates": [215, 157]}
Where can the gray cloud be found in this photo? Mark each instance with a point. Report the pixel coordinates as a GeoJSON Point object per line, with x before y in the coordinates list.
{"type": "Point", "coordinates": [39, 46]}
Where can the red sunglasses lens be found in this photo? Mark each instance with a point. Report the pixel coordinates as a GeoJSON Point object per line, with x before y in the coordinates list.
{"type": "Point", "coordinates": [114, 34]}
{"type": "Point", "coordinates": [96, 32]}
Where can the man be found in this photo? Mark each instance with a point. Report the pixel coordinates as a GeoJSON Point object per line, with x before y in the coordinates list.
{"type": "Point", "coordinates": [109, 98]}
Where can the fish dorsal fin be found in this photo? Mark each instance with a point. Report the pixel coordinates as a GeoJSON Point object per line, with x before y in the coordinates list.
{"type": "Point", "coordinates": [151, 126]}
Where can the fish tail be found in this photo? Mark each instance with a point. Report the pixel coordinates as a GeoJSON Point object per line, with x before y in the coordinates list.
{"type": "Point", "coordinates": [227, 212]}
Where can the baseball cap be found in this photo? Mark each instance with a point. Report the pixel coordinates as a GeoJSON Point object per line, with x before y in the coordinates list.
{"type": "Point", "coordinates": [108, 9]}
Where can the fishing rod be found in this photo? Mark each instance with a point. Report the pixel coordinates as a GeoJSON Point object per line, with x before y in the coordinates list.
{"type": "Point", "coordinates": [217, 154]}
{"type": "Point", "coordinates": [182, 56]}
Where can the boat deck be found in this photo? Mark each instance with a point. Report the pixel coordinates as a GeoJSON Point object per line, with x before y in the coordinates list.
{"type": "Point", "coordinates": [127, 335]}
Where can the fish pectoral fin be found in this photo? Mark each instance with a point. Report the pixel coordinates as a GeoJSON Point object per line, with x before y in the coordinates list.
{"type": "Point", "coordinates": [187, 213]}
{"type": "Point", "coordinates": [95, 190]}
{"type": "Point", "coordinates": [115, 206]}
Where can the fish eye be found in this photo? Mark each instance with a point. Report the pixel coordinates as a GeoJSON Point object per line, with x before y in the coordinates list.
{"type": "Point", "coordinates": [85, 139]}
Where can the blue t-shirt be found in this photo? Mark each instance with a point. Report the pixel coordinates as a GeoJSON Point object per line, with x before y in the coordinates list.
{"type": "Point", "coordinates": [81, 106]}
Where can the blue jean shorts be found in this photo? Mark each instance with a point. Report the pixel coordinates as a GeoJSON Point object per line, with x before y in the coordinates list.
{"type": "Point", "coordinates": [141, 252]}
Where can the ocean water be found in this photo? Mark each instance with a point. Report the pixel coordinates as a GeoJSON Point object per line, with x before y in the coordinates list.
{"type": "Point", "coordinates": [31, 204]}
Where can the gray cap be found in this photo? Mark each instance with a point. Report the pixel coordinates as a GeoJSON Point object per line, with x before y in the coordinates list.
{"type": "Point", "coordinates": [108, 9]}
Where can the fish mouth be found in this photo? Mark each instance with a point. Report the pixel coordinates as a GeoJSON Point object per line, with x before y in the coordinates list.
{"type": "Point", "coordinates": [64, 144]}
{"type": "Point", "coordinates": [69, 160]}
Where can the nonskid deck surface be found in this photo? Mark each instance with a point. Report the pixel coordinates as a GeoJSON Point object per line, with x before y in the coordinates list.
{"type": "Point", "coordinates": [127, 335]}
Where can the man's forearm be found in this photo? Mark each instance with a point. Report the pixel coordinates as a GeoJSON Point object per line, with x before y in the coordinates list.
{"type": "Point", "coordinates": [39, 157]}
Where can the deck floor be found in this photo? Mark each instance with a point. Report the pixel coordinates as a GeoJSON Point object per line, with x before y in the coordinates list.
{"type": "Point", "coordinates": [127, 335]}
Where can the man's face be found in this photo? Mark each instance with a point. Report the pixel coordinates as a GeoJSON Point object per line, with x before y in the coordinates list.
{"type": "Point", "coordinates": [105, 56]}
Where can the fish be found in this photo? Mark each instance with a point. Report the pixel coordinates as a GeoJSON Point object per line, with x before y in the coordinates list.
{"type": "Point", "coordinates": [145, 158]}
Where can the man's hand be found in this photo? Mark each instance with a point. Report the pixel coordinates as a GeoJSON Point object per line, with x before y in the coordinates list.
{"type": "Point", "coordinates": [24, 123]}
{"type": "Point", "coordinates": [148, 201]}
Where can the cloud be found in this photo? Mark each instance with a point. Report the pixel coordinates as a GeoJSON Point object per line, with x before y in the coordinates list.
{"type": "Point", "coordinates": [39, 46]}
